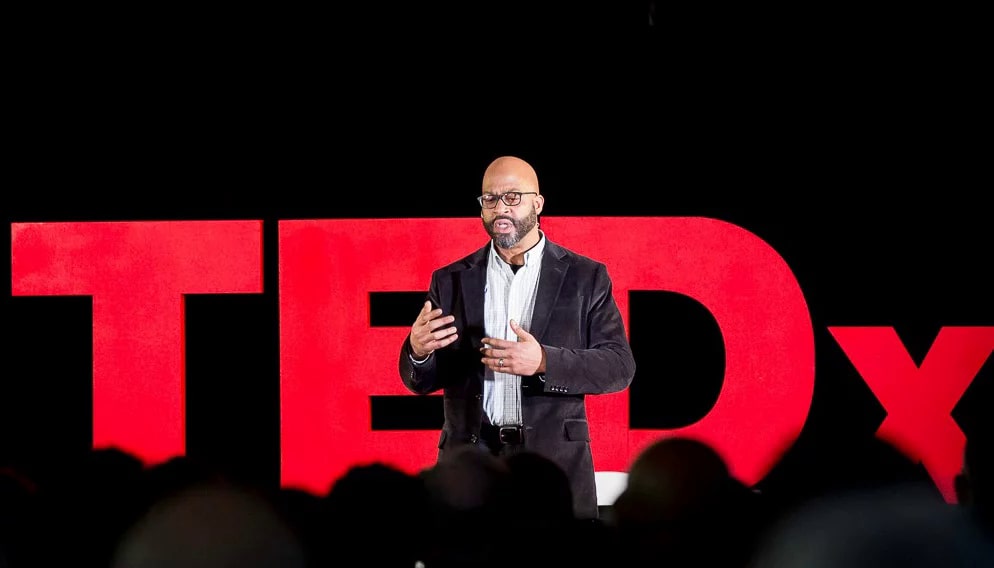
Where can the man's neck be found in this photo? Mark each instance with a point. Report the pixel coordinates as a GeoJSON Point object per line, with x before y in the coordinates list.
{"type": "Point", "coordinates": [516, 254]}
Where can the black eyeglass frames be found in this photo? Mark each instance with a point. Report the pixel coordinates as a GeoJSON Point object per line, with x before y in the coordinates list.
{"type": "Point", "coordinates": [511, 198]}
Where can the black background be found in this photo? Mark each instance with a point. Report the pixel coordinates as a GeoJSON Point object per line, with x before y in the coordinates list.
{"type": "Point", "coordinates": [855, 143]}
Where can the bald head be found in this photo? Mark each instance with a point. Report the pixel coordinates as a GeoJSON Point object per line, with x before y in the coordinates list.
{"type": "Point", "coordinates": [509, 173]}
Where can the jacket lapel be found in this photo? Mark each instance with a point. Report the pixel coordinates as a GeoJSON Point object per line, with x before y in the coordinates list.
{"type": "Point", "coordinates": [472, 282]}
{"type": "Point", "coordinates": [549, 284]}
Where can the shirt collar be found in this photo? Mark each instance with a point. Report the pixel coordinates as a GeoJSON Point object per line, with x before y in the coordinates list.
{"type": "Point", "coordinates": [533, 254]}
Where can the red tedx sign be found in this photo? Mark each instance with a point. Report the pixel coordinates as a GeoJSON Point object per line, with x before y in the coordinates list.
{"type": "Point", "coordinates": [137, 274]}
{"type": "Point", "coordinates": [332, 360]}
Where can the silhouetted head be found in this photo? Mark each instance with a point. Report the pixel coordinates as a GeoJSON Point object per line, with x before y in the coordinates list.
{"type": "Point", "coordinates": [538, 490]}
{"type": "Point", "coordinates": [211, 525]}
{"type": "Point", "coordinates": [974, 484]}
{"type": "Point", "coordinates": [671, 480]}
{"type": "Point", "coordinates": [832, 465]}
{"type": "Point", "coordinates": [466, 479]}
{"type": "Point", "coordinates": [682, 507]}
{"type": "Point", "coordinates": [366, 491]}
{"type": "Point", "coordinates": [875, 527]}
{"type": "Point", "coordinates": [367, 502]}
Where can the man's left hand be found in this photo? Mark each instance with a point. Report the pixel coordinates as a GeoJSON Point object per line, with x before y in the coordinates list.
{"type": "Point", "coordinates": [522, 357]}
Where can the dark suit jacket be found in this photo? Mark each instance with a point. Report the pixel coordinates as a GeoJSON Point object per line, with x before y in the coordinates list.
{"type": "Point", "coordinates": [587, 352]}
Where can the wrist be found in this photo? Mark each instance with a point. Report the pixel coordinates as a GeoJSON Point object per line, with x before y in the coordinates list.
{"type": "Point", "coordinates": [420, 359]}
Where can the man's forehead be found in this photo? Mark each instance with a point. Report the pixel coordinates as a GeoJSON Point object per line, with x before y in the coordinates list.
{"type": "Point", "coordinates": [503, 185]}
{"type": "Point", "coordinates": [507, 181]}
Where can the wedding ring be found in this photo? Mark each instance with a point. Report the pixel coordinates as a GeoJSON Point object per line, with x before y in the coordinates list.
{"type": "Point", "coordinates": [500, 363]}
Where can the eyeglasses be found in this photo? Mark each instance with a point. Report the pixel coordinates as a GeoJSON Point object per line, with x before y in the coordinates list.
{"type": "Point", "coordinates": [511, 198]}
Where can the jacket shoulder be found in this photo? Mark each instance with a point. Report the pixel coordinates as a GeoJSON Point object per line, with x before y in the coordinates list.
{"type": "Point", "coordinates": [572, 257]}
{"type": "Point", "coordinates": [470, 260]}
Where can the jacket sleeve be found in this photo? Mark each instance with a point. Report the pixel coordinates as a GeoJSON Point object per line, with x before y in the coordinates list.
{"type": "Point", "coordinates": [605, 364]}
{"type": "Point", "coordinates": [419, 378]}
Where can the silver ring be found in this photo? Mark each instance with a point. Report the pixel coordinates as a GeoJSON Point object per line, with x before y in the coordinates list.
{"type": "Point", "coordinates": [500, 362]}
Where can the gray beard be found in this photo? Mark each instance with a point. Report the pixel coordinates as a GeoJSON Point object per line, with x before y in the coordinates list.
{"type": "Point", "coordinates": [521, 228]}
{"type": "Point", "coordinates": [507, 241]}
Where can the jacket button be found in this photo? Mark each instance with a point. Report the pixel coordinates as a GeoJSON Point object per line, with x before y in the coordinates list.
{"type": "Point", "coordinates": [479, 396]}
{"type": "Point", "coordinates": [474, 438]}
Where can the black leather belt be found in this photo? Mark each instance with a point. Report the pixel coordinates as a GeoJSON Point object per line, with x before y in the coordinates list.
{"type": "Point", "coordinates": [504, 435]}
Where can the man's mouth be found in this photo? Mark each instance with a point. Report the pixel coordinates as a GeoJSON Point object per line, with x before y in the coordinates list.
{"type": "Point", "coordinates": [503, 225]}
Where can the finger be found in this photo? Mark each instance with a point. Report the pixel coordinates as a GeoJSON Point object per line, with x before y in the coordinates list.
{"type": "Point", "coordinates": [491, 353]}
{"type": "Point", "coordinates": [430, 330]}
{"type": "Point", "coordinates": [495, 343]}
{"type": "Point", "coordinates": [520, 331]}
{"type": "Point", "coordinates": [440, 334]}
{"type": "Point", "coordinates": [493, 356]}
{"type": "Point", "coordinates": [436, 344]}
{"type": "Point", "coordinates": [431, 316]}
{"type": "Point", "coordinates": [423, 317]}
{"type": "Point", "coordinates": [434, 324]}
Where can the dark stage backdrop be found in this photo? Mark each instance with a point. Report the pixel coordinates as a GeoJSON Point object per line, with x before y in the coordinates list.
{"type": "Point", "coordinates": [864, 183]}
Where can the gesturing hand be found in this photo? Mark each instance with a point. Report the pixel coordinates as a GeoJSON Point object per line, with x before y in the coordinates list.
{"type": "Point", "coordinates": [522, 357]}
{"type": "Point", "coordinates": [428, 333]}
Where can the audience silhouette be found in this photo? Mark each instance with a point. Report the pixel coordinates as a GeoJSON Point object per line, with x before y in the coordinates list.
{"type": "Point", "coordinates": [832, 465]}
{"type": "Point", "coordinates": [681, 506]}
{"type": "Point", "coordinates": [879, 526]}
{"type": "Point", "coordinates": [974, 484]}
{"type": "Point", "coordinates": [375, 512]}
{"type": "Point", "coordinates": [211, 525]}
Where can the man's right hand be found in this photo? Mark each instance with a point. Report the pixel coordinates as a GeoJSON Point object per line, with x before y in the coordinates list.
{"type": "Point", "coordinates": [429, 332]}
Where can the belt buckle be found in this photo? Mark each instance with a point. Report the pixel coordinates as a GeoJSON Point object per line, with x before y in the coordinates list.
{"type": "Point", "coordinates": [510, 435]}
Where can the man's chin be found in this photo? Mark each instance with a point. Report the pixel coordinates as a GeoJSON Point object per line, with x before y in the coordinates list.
{"type": "Point", "coordinates": [506, 241]}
